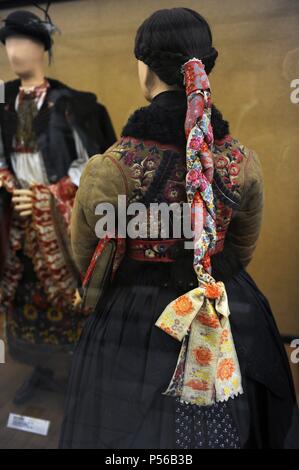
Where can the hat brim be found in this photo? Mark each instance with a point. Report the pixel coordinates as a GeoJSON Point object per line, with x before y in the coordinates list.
{"type": "Point", "coordinates": [40, 36]}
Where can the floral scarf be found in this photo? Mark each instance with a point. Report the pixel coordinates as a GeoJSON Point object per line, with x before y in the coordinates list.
{"type": "Point", "coordinates": [207, 369]}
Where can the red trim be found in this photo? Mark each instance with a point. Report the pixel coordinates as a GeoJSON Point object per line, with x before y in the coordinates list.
{"type": "Point", "coordinates": [98, 251]}
{"type": "Point", "coordinates": [23, 150]}
{"type": "Point", "coordinates": [137, 250]}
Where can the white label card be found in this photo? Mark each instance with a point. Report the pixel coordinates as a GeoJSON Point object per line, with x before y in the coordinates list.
{"type": "Point", "coordinates": [27, 424]}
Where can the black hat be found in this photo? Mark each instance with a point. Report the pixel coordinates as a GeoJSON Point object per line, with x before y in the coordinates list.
{"type": "Point", "coordinates": [28, 24]}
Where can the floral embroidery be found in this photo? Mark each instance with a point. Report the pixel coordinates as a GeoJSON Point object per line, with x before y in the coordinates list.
{"type": "Point", "coordinates": [198, 385]}
{"type": "Point", "coordinates": [195, 142]}
{"type": "Point", "coordinates": [55, 315]}
{"type": "Point", "coordinates": [203, 356]}
{"type": "Point", "coordinates": [183, 306]}
{"type": "Point", "coordinates": [228, 157]}
{"type": "Point", "coordinates": [174, 192]}
{"type": "Point", "coordinates": [226, 369]}
{"type": "Point", "coordinates": [213, 291]}
{"type": "Point", "coordinates": [145, 159]}
{"type": "Point", "coordinates": [137, 171]}
{"type": "Point", "coordinates": [222, 162]}
{"type": "Point", "coordinates": [49, 299]}
{"type": "Point", "coordinates": [206, 320]}
{"type": "Point", "coordinates": [30, 313]}
{"type": "Point", "coordinates": [151, 162]}
{"type": "Point", "coordinates": [129, 158]}
{"type": "Point", "coordinates": [224, 336]}
{"type": "Point", "coordinates": [234, 169]}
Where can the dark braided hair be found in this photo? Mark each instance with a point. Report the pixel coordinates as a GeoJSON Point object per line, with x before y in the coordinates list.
{"type": "Point", "coordinates": [170, 37]}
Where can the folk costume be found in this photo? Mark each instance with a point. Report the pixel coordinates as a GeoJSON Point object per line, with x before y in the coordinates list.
{"type": "Point", "coordinates": [47, 135]}
{"type": "Point", "coordinates": [182, 350]}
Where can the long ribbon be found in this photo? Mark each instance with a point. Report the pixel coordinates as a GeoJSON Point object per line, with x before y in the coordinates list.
{"type": "Point", "coordinates": [207, 369]}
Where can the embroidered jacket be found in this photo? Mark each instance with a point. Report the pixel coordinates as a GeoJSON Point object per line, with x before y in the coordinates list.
{"type": "Point", "coordinates": [148, 165]}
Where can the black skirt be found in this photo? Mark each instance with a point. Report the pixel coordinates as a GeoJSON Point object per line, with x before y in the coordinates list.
{"type": "Point", "coordinates": [39, 334]}
{"type": "Point", "coordinates": [123, 363]}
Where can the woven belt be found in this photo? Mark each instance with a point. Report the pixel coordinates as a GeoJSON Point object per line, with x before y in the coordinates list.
{"type": "Point", "coordinates": [162, 251]}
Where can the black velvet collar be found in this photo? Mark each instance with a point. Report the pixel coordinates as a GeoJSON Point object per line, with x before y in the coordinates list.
{"type": "Point", "coordinates": [163, 120]}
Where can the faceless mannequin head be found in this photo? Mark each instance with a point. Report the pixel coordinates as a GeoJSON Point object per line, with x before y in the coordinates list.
{"type": "Point", "coordinates": [26, 55]}
{"type": "Point", "coordinates": [146, 79]}
{"type": "Point", "coordinates": [165, 41]}
{"type": "Point", "coordinates": [151, 85]}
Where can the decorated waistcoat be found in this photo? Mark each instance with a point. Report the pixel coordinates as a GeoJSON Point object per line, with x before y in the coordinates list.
{"type": "Point", "coordinates": [159, 173]}
{"type": "Point", "coordinates": [155, 173]}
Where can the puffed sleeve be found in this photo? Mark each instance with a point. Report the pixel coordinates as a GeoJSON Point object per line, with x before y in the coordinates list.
{"type": "Point", "coordinates": [245, 226]}
{"type": "Point", "coordinates": [102, 181]}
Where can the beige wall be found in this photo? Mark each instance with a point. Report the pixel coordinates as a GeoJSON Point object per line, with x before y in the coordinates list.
{"type": "Point", "coordinates": [258, 42]}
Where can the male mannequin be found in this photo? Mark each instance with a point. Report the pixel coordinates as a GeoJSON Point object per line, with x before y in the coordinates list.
{"type": "Point", "coordinates": [48, 132]}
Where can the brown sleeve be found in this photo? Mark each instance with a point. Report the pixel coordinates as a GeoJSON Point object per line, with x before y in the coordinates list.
{"type": "Point", "coordinates": [101, 182]}
{"type": "Point", "coordinates": [245, 226]}
{"type": "Point", "coordinates": [244, 229]}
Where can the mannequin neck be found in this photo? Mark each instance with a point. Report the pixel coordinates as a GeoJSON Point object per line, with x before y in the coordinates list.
{"type": "Point", "coordinates": [33, 80]}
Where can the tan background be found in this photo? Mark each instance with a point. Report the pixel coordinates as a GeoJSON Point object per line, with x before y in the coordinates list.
{"type": "Point", "coordinates": [258, 43]}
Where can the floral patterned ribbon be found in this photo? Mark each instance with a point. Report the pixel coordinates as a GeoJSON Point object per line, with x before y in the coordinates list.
{"type": "Point", "coordinates": [207, 369]}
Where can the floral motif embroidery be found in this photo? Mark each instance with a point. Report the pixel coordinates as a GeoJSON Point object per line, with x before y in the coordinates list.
{"type": "Point", "coordinates": [145, 159]}
{"type": "Point", "coordinates": [183, 306]}
{"type": "Point", "coordinates": [47, 301]}
{"type": "Point", "coordinates": [207, 320]}
{"type": "Point", "coordinates": [30, 313]}
{"type": "Point", "coordinates": [174, 192]}
{"type": "Point", "coordinates": [224, 336]}
{"type": "Point", "coordinates": [198, 385]}
{"type": "Point", "coordinates": [203, 356]}
{"type": "Point", "coordinates": [226, 369]}
{"type": "Point", "coordinates": [228, 157]}
{"type": "Point", "coordinates": [213, 291]}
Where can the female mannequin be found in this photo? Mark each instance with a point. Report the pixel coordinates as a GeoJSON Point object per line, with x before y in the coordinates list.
{"type": "Point", "coordinates": [48, 132]}
{"type": "Point", "coordinates": [128, 386]}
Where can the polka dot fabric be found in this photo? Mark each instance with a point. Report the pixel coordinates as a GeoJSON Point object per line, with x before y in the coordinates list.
{"type": "Point", "coordinates": [210, 427]}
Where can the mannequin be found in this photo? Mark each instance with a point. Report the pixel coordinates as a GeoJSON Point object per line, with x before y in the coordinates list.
{"type": "Point", "coordinates": [48, 132]}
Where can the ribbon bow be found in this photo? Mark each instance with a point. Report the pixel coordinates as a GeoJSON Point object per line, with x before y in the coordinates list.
{"type": "Point", "coordinates": [207, 369]}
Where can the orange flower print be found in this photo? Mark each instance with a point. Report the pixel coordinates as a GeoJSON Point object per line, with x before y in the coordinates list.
{"type": "Point", "coordinates": [226, 369]}
{"type": "Point", "coordinates": [183, 306]}
{"type": "Point", "coordinates": [203, 356]}
{"type": "Point", "coordinates": [213, 291]}
{"type": "Point", "coordinates": [206, 320]}
{"type": "Point", "coordinates": [197, 385]}
{"type": "Point", "coordinates": [224, 336]}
